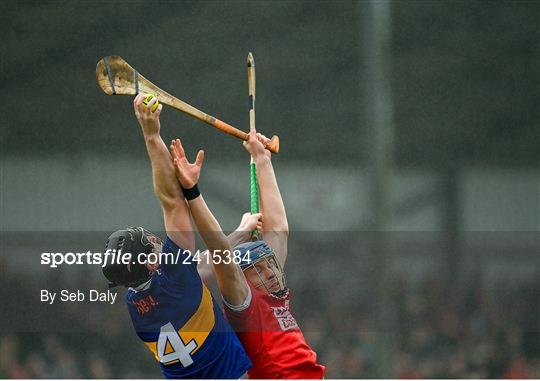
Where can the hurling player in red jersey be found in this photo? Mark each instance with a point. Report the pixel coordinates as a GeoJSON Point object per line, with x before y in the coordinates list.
{"type": "Point", "coordinates": [263, 321]}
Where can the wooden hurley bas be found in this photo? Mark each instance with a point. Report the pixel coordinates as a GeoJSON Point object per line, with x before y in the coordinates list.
{"type": "Point", "coordinates": [116, 77]}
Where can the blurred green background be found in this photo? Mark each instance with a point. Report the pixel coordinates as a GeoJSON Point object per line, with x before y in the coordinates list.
{"type": "Point", "coordinates": [458, 85]}
{"type": "Point", "coordinates": [464, 76]}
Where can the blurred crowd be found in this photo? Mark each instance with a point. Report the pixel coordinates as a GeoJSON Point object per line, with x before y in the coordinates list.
{"type": "Point", "coordinates": [471, 333]}
{"type": "Point", "coordinates": [50, 356]}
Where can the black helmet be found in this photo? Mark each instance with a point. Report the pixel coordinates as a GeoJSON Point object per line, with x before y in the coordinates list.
{"type": "Point", "coordinates": [133, 241]}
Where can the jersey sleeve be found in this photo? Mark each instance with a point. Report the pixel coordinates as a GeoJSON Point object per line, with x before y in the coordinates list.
{"type": "Point", "coordinates": [243, 317]}
{"type": "Point", "coordinates": [245, 304]}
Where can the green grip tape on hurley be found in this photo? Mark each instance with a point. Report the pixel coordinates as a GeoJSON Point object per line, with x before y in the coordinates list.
{"type": "Point", "coordinates": [254, 192]}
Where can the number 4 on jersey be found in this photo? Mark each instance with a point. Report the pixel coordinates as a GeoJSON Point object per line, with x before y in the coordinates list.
{"type": "Point", "coordinates": [171, 348]}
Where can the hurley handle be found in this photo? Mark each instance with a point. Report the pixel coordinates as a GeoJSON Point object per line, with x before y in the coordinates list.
{"type": "Point", "coordinates": [254, 186]}
{"type": "Point", "coordinates": [254, 194]}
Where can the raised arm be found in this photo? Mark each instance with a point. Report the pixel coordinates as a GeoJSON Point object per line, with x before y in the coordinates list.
{"type": "Point", "coordinates": [175, 209]}
{"type": "Point", "coordinates": [241, 235]}
{"type": "Point", "coordinates": [275, 224]}
{"type": "Point", "coordinates": [231, 280]}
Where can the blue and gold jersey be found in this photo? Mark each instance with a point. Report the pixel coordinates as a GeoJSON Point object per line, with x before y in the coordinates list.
{"type": "Point", "coordinates": [178, 320]}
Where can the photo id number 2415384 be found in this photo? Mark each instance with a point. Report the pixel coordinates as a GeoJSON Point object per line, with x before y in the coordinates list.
{"type": "Point", "coordinates": [216, 257]}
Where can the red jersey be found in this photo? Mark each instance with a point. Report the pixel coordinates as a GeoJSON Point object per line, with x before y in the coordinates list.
{"type": "Point", "coordinates": [273, 340]}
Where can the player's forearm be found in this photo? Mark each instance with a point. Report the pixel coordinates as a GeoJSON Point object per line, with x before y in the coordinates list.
{"type": "Point", "coordinates": [231, 280]}
{"type": "Point", "coordinates": [166, 186]}
{"type": "Point", "coordinates": [238, 237]}
{"type": "Point", "coordinates": [272, 207]}
{"type": "Point", "coordinates": [208, 226]}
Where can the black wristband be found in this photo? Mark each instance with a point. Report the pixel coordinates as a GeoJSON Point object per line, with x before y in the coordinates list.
{"type": "Point", "coordinates": [191, 193]}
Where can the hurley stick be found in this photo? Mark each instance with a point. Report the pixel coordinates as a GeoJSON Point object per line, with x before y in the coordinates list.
{"type": "Point", "coordinates": [254, 187]}
{"type": "Point", "coordinates": [116, 77]}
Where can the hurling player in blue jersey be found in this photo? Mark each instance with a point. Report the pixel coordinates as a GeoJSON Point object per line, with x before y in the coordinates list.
{"type": "Point", "coordinates": [172, 311]}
